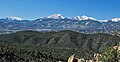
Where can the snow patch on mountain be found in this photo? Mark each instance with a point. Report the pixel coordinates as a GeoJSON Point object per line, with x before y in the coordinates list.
{"type": "Point", "coordinates": [103, 20]}
{"type": "Point", "coordinates": [84, 18]}
{"type": "Point", "coordinates": [13, 18]}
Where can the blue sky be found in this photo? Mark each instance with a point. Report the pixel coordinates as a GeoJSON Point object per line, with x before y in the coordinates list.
{"type": "Point", "coordinates": [32, 9]}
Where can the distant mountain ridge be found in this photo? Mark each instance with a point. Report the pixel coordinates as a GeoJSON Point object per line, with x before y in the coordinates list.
{"type": "Point", "coordinates": [59, 22]}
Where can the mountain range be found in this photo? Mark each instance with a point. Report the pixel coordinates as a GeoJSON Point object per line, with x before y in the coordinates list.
{"type": "Point", "coordinates": [58, 22]}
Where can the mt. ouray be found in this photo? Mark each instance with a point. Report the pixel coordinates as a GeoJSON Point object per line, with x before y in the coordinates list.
{"type": "Point", "coordinates": [59, 22]}
{"type": "Point", "coordinates": [55, 16]}
{"type": "Point", "coordinates": [115, 19]}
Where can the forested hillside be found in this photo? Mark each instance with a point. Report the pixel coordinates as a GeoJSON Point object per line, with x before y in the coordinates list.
{"type": "Point", "coordinates": [52, 46]}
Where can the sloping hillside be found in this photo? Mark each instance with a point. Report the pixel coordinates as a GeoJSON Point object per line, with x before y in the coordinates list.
{"type": "Point", "coordinates": [63, 43]}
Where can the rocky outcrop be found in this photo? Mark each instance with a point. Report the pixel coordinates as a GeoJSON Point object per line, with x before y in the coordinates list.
{"type": "Point", "coordinates": [96, 58]}
{"type": "Point", "coordinates": [117, 48]}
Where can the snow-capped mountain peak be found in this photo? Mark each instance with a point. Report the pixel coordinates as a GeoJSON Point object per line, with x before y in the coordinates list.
{"type": "Point", "coordinates": [115, 19]}
{"type": "Point", "coordinates": [13, 18]}
{"type": "Point", "coordinates": [84, 18]}
{"type": "Point", "coordinates": [56, 16]}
